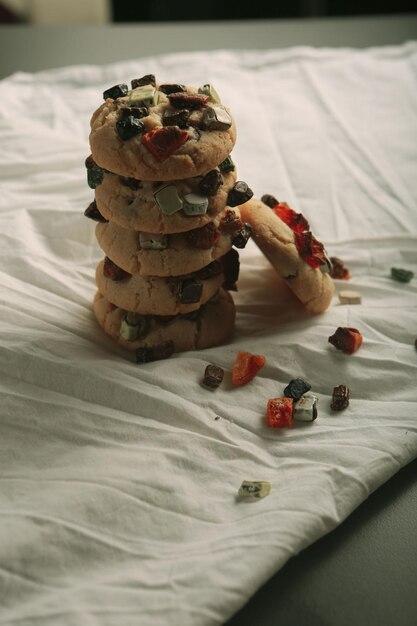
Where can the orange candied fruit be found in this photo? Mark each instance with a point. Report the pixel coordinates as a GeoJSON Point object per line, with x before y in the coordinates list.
{"type": "Point", "coordinates": [246, 367]}
{"type": "Point", "coordinates": [279, 412]}
{"type": "Point", "coordinates": [162, 142]}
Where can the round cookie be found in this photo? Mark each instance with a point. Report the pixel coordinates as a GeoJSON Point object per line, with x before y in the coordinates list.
{"type": "Point", "coordinates": [195, 142]}
{"type": "Point", "coordinates": [212, 325]}
{"type": "Point", "coordinates": [137, 208]}
{"type": "Point", "coordinates": [281, 244]}
{"type": "Point", "coordinates": [180, 256]}
{"type": "Point", "coordinates": [160, 296]}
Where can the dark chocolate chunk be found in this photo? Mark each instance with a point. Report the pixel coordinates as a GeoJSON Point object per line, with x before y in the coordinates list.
{"type": "Point", "coordinates": [148, 79]}
{"type": "Point", "coordinates": [212, 269]}
{"type": "Point", "coordinates": [132, 183]}
{"type": "Point", "coordinates": [190, 291]}
{"type": "Point", "coordinates": [210, 183]}
{"type": "Point", "coordinates": [137, 112]}
{"type": "Point", "coordinates": [242, 236]}
{"type": "Point", "coordinates": [93, 213]}
{"type": "Point", "coordinates": [117, 91]}
{"type": "Point", "coordinates": [190, 101]}
{"type": "Point", "coordinates": [113, 271]}
{"type": "Point", "coordinates": [296, 388]}
{"type": "Point", "coordinates": [230, 222]}
{"type": "Point", "coordinates": [94, 176]}
{"type": "Point", "coordinates": [213, 376]}
{"type": "Point", "coordinates": [340, 398]}
{"type": "Point", "coordinates": [168, 88]}
{"type": "Point", "coordinates": [155, 353]}
{"type": "Point", "coordinates": [269, 200]}
{"type": "Point", "coordinates": [129, 127]}
{"type": "Point", "coordinates": [227, 165]}
{"type": "Point", "coordinates": [239, 194]}
{"type": "Point", "coordinates": [89, 162]}
{"type": "Point", "coordinates": [176, 118]}
{"type": "Point", "coordinates": [231, 266]}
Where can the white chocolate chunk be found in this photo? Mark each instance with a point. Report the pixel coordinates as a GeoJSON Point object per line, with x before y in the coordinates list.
{"type": "Point", "coordinates": [168, 199]}
{"type": "Point", "coordinates": [305, 409]}
{"type": "Point", "coordinates": [254, 489]}
{"type": "Point", "coordinates": [349, 297]}
{"type": "Point", "coordinates": [195, 204]}
{"type": "Point", "coordinates": [156, 241]}
{"type": "Point", "coordinates": [216, 118]}
{"type": "Point", "coordinates": [143, 96]}
{"type": "Point", "coordinates": [129, 332]}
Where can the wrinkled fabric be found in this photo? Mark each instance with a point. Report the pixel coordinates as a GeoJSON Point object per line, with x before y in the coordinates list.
{"type": "Point", "coordinates": [118, 482]}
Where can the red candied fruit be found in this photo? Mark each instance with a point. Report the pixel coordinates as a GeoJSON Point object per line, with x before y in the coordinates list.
{"type": "Point", "coordinates": [310, 249]}
{"type": "Point", "coordinates": [279, 412]}
{"type": "Point", "coordinates": [162, 142]}
{"type": "Point", "coordinates": [230, 222]}
{"type": "Point", "coordinates": [113, 271]}
{"type": "Point", "coordinates": [296, 221]}
{"type": "Point", "coordinates": [205, 237]}
{"type": "Point", "coordinates": [246, 367]}
{"type": "Point", "coordinates": [346, 339]}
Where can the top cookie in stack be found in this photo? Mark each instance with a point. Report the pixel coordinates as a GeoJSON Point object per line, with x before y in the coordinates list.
{"type": "Point", "coordinates": [167, 203]}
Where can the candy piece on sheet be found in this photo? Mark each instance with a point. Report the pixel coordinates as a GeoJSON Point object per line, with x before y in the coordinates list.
{"type": "Point", "coordinates": [168, 88]}
{"type": "Point", "coordinates": [190, 291]}
{"type": "Point", "coordinates": [346, 339]}
{"type": "Point", "coordinates": [93, 213]}
{"type": "Point", "coordinates": [310, 249]}
{"type": "Point", "coordinates": [305, 409]}
{"type": "Point", "coordinates": [153, 241]}
{"type": "Point", "coordinates": [162, 142]}
{"type": "Point", "coordinates": [210, 183]}
{"type": "Point", "coordinates": [168, 199]}
{"type": "Point", "coordinates": [176, 118]}
{"type": "Point", "coordinates": [134, 326]}
{"type": "Point", "coordinates": [279, 412]}
{"type": "Point", "coordinates": [129, 127]}
{"type": "Point", "coordinates": [245, 367]}
{"type": "Point", "coordinates": [242, 236]}
{"type": "Point", "coordinates": [195, 204]}
{"type": "Point", "coordinates": [213, 376]}
{"type": "Point", "coordinates": [155, 353]}
{"type": "Point", "coordinates": [254, 489]}
{"type": "Point", "coordinates": [208, 90]}
{"type": "Point", "coordinates": [340, 398]}
{"type": "Point", "coordinates": [227, 165]}
{"type": "Point", "coordinates": [339, 271]}
{"type": "Point", "coordinates": [117, 91]}
{"type": "Point", "coordinates": [143, 96]}
{"type": "Point", "coordinates": [401, 275]}
{"type": "Point", "coordinates": [215, 118]}
{"type": "Point", "coordinates": [296, 388]}
{"type": "Point", "coordinates": [239, 194]}
{"type": "Point", "coordinates": [269, 200]}
{"type": "Point", "coordinates": [349, 297]}
{"type": "Point", "coordinates": [190, 101]}
{"type": "Point", "coordinates": [148, 79]}
{"type": "Point", "coordinates": [205, 237]}
{"type": "Point", "coordinates": [113, 271]}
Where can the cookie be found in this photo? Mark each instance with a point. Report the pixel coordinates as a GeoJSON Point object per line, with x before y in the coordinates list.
{"type": "Point", "coordinates": [178, 253]}
{"type": "Point", "coordinates": [160, 296]}
{"type": "Point", "coordinates": [168, 207]}
{"type": "Point", "coordinates": [210, 326]}
{"type": "Point", "coordinates": [296, 255]}
{"type": "Point", "coordinates": [150, 134]}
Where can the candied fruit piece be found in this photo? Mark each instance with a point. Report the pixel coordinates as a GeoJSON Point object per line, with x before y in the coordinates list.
{"type": "Point", "coordinates": [246, 367]}
{"type": "Point", "coordinates": [205, 237]}
{"type": "Point", "coordinates": [113, 271]}
{"type": "Point", "coordinates": [340, 398]}
{"type": "Point", "coordinates": [279, 412]}
{"type": "Point", "coordinates": [162, 142]}
{"type": "Point", "coordinates": [213, 376]}
{"type": "Point", "coordinates": [296, 221]}
{"type": "Point", "coordinates": [401, 275]}
{"type": "Point", "coordinates": [310, 249]}
{"type": "Point", "coordinates": [230, 222]}
{"type": "Point", "coordinates": [346, 339]}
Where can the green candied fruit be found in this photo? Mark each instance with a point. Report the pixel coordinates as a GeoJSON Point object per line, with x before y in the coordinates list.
{"type": "Point", "coordinates": [401, 275]}
{"type": "Point", "coordinates": [95, 176]}
{"type": "Point", "coordinates": [227, 165]}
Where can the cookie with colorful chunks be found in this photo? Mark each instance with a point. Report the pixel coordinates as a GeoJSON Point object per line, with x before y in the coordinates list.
{"type": "Point", "coordinates": [163, 207]}
{"type": "Point", "coordinates": [161, 131]}
{"type": "Point", "coordinates": [151, 336]}
{"type": "Point", "coordinates": [285, 238]}
{"type": "Point", "coordinates": [150, 295]}
{"type": "Point", "coordinates": [153, 254]}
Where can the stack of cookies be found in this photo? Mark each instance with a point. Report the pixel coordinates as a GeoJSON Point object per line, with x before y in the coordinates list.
{"type": "Point", "coordinates": [167, 211]}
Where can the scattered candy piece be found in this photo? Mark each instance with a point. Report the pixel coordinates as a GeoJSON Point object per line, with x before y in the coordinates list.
{"type": "Point", "coordinates": [296, 221]}
{"type": "Point", "coordinates": [279, 412]}
{"type": "Point", "coordinates": [190, 101]}
{"type": "Point", "coordinates": [305, 409]}
{"type": "Point", "coordinates": [195, 204]}
{"type": "Point", "coordinates": [162, 142]}
{"type": "Point", "coordinates": [208, 90]}
{"type": "Point", "coordinates": [205, 237]}
{"type": "Point", "coordinates": [117, 91]}
{"type": "Point", "coordinates": [215, 118]}
{"type": "Point", "coordinates": [401, 275]}
{"type": "Point", "coordinates": [338, 269]}
{"type": "Point", "coordinates": [133, 326]}
{"type": "Point", "coordinates": [113, 271]}
{"type": "Point", "coordinates": [350, 297]}
{"type": "Point", "coordinates": [246, 367]}
{"type": "Point", "coordinates": [154, 241]}
{"type": "Point", "coordinates": [168, 88]}
{"type": "Point", "coordinates": [190, 291]}
{"type": "Point", "coordinates": [210, 183]}
{"type": "Point", "coordinates": [254, 489]}
{"type": "Point", "coordinates": [155, 353]}
{"type": "Point", "coordinates": [296, 388]}
{"type": "Point", "coordinates": [143, 96]}
{"type": "Point", "coordinates": [93, 213]}
{"type": "Point", "coordinates": [227, 165]}
{"type": "Point", "coordinates": [176, 118]}
{"type": "Point", "coordinates": [231, 265]}
{"type": "Point", "coordinates": [148, 79]}
{"type": "Point", "coordinates": [239, 194]}
{"type": "Point", "coordinates": [340, 398]}
{"type": "Point", "coordinates": [129, 127]}
{"type": "Point", "coordinates": [213, 376]}
{"type": "Point", "coordinates": [241, 238]}
{"type": "Point", "coordinates": [346, 339]}
{"type": "Point", "coordinates": [269, 200]}
{"type": "Point", "coordinates": [168, 199]}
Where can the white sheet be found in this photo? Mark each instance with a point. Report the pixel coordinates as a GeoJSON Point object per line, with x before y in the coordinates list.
{"type": "Point", "coordinates": [117, 482]}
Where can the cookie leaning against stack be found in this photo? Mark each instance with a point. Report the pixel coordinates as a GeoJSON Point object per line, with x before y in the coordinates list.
{"type": "Point", "coordinates": [167, 211]}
